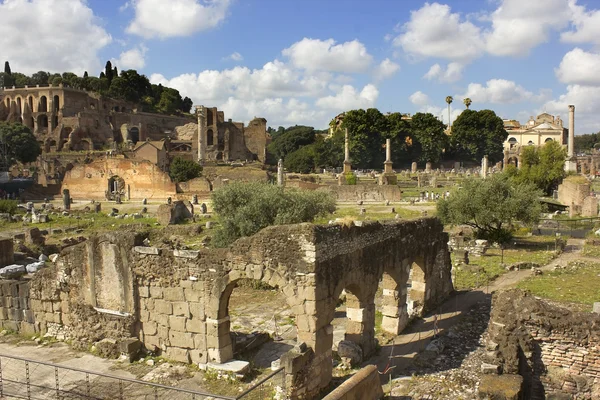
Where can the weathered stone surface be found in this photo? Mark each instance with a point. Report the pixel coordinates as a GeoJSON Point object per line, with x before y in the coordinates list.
{"type": "Point", "coordinates": [174, 213]}
{"type": "Point", "coordinates": [186, 253]}
{"type": "Point", "coordinates": [500, 387]}
{"type": "Point", "coordinates": [12, 271]}
{"type": "Point", "coordinates": [351, 351]}
{"type": "Point", "coordinates": [146, 250]}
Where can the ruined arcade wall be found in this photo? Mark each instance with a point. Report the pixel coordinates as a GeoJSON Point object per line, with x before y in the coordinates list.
{"type": "Point", "coordinates": [554, 349]}
{"type": "Point", "coordinates": [145, 179]}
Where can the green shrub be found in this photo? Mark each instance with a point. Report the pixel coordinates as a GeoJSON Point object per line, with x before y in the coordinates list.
{"type": "Point", "coordinates": [182, 170]}
{"type": "Point", "coordinates": [350, 179]}
{"type": "Point", "coordinates": [8, 206]}
{"type": "Point", "coordinates": [246, 208]}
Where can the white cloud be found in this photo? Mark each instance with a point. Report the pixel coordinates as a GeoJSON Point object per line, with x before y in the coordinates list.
{"type": "Point", "coordinates": [586, 26]}
{"type": "Point", "coordinates": [386, 69]}
{"type": "Point", "coordinates": [441, 112]}
{"type": "Point", "coordinates": [587, 102]}
{"type": "Point", "coordinates": [50, 35]}
{"type": "Point", "coordinates": [134, 58]}
{"type": "Point", "coordinates": [434, 31]}
{"type": "Point", "coordinates": [419, 98]}
{"type": "Point", "coordinates": [452, 72]}
{"type": "Point", "coordinates": [579, 67]}
{"type": "Point", "coordinates": [518, 26]}
{"type": "Point", "coordinates": [500, 91]}
{"type": "Point", "coordinates": [325, 55]}
{"type": "Point", "coordinates": [349, 98]}
{"type": "Point", "coordinates": [235, 56]}
{"type": "Point", "coordinates": [173, 18]}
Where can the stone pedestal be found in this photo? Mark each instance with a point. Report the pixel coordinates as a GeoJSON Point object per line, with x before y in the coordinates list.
{"type": "Point", "coordinates": [570, 165]}
{"type": "Point", "coordinates": [388, 179]}
{"type": "Point", "coordinates": [413, 167]}
{"type": "Point", "coordinates": [428, 168]}
{"type": "Point", "coordinates": [347, 167]}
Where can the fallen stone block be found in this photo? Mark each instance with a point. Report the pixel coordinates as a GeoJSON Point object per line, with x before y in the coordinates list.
{"type": "Point", "coordinates": [351, 351]}
{"type": "Point", "coordinates": [489, 368]}
{"type": "Point", "coordinates": [146, 250]}
{"type": "Point", "coordinates": [12, 271]}
{"type": "Point", "coordinates": [34, 267]}
{"type": "Point", "coordinates": [186, 253]}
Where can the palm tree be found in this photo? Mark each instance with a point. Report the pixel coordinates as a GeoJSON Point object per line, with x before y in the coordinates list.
{"type": "Point", "coordinates": [449, 100]}
{"type": "Point", "coordinates": [467, 101]}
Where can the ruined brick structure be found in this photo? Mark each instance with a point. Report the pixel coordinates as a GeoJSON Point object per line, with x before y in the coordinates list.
{"type": "Point", "coordinates": [220, 140]}
{"type": "Point", "coordinates": [577, 196]}
{"type": "Point", "coordinates": [176, 301]}
{"type": "Point", "coordinates": [554, 349]}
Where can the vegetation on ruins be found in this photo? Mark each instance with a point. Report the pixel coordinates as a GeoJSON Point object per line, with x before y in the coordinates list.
{"type": "Point", "coordinates": [476, 134]}
{"type": "Point", "coordinates": [19, 142]}
{"type": "Point", "coordinates": [246, 208]}
{"type": "Point", "coordinates": [542, 166]}
{"type": "Point", "coordinates": [182, 170]}
{"type": "Point", "coordinates": [8, 206]}
{"type": "Point", "coordinates": [129, 85]}
{"type": "Point", "coordinates": [492, 206]}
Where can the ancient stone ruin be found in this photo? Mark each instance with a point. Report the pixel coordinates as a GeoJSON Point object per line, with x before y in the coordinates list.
{"type": "Point", "coordinates": [175, 302]}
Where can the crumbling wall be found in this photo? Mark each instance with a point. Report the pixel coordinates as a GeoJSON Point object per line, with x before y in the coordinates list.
{"type": "Point", "coordinates": [364, 192]}
{"type": "Point", "coordinates": [554, 349]}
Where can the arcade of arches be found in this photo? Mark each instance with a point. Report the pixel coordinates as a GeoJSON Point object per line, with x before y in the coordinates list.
{"type": "Point", "coordinates": [178, 299]}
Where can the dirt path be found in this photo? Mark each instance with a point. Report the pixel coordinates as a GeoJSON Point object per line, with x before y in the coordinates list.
{"type": "Point", "coordinates": [397, 357]}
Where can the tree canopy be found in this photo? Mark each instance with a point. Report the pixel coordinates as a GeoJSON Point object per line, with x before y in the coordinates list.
{"type": "Point", "coordinates": [246, 208]}
{"type": "Point", "coordinates": [585, 143]}
{"type": "Point", "coordinates": [182, 170]}
{"type": "Point", "coordinates": [476, 134]}
{"type": "Point", "coordinates": [542, 166]}
{"type": "Point", "coordinates": [20, 143]}
{"type": "Point", "coordinates": [492, 206]}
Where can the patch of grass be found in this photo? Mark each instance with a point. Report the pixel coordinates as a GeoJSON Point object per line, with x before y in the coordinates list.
{"type": "Point", "coordinates": [484, 269]}
{"type": "Point", "coordinates": [373, 213]}
{"type": "Point", "coordinates": [591, 250]}
{"type": "Point", "coordinates": [575, 284]}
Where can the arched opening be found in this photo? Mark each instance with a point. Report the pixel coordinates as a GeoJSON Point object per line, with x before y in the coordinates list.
{"type": "Point", "coordinates": [30, 100]}
{"type": "Point", "coordinates": [56, 104]}
{"type": "Point", "coordinates": [116, 186]}
{"type": "Point", "coordinates": [116, 108]}
{"type": "Point", "coordinates": [513, 161]}
{"type": "Point", "coordinates": [512, 142]}
{"type": "Point", "coordinates": [32, 123]}
{"type": "Point", "coordinates": [530, 143]}
{"type": "Point", "coordinates": [134, 134]}
{"type": "Point", "coordinates": [210, 137]}
{"type": "Point", "coordinates": [354, 325]}
{"type": "Point", "coordinates": [254, 322]}
{"type": "Point", "coordinates": [43, 123]}
{"type": "Point", "coordinates": [43, 104]}
{"type": "Point", "coordinates": [209, 117]}
{"type": "Point", "coordinates": [415, 290]}
{"type": "Point", "coordinates": [8, 102]}
{"type": "Point", "coordinates": [548, 140]}
{"type": "Point", "coordinates": [19, 106]}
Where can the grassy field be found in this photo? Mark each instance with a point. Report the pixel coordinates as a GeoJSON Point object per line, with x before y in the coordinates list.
{"type": "Point", "coordinates": [578, 284]}
{"type": "Point", "coordinates": [373, 213]}
{"type": "Point", "coordinates": [484, 269]}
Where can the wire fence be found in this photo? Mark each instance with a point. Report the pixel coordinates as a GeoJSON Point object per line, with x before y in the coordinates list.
{"type": "Point", "coordinates": [22, 378]}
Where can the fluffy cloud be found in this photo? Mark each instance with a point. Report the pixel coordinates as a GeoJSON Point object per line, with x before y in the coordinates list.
{"type": "Point", "coordinates": [164, 19]}
{"type": "Point", "coordinates": [235, 56]}
{"type": "Point", "coordinates": [579, 67]}
{"type": "Point", "coordinates": [587, 102]}
{"type": "Point", "coordinates": [452, 72]}
{"type": "Point", "coordinates": [349, 98]}
{"type": "Point", "coordinates": [586, 26]}
{"type": "Point", "coordinates": [500, 91]}
{"type": "Point", "coordinates": [419, 98]}
{"type": "Point", "coordinates": [386, 69]}
{"type": "Point", "coordinates": [32, 39]}
{"type": "Point", "coordinates": [518, 26]}
{"type": "Point", "coordinates": [434, 31]}
{"type": "Point", "coordinates": [442, 112]}
{"type": "Point", "coordinates": [325, 55]}
{"type": "Point", "coordinates": [134, 58]}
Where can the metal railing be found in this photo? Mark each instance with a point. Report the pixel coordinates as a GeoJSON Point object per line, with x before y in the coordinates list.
{"type": "Point", "coordinates": [270, 387]}
{"type": "Point", "coordinates": [22, 378]}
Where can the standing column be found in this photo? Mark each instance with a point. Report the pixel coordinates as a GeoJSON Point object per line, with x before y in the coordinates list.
{"type": "Point", "coordinates": [347, 163]}
{"type": "Point", "coordinates": [280, 177]}
{"type": "Point", "coordinates": [201, 113]}
{"type": "Point", "coordinates": [571, 143]}
{"type": "Point", "coordinates": [387, 165]}
{"type": "Point", "coordinates": [484, 167]}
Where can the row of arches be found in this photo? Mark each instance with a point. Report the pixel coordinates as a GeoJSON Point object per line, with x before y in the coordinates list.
{"type": "Point", "coordinates": [513, 142]}
{"type": "Point", "coordinates": [41, 105]}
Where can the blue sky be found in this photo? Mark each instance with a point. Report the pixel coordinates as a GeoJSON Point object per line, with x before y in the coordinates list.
{"type": "Point", "coordinates": [303, 62]}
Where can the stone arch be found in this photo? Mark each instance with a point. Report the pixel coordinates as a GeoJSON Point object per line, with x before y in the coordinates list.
{"type": "Point", "coordinates": [530, 143]}
{"type": "Point", "coordinates": [360, 314]}
{"type": "Point", "coordinates": [548, 140]}
{"type": "Point", "coordinates": [30, 101]}
{"type": "Point", "coordinates": [210, 137]}
{"type": "Point", "coordinates": [116, 108]}
{"type": "Point", "coordinates": [56, 103]}
{"type": "Point", "coordinates": [8, 102]}
{"type": "Point", "coordinates": [218, 324]}
{"type": "Point", "coordinates": [42, 122]}
{"type": "Point", "coordinates": [513, 161]}
{"type": "Point", "coordinates": [512, 142]}
{"type": "Point", "coordinates": [43, 104]}
{"type": "Point", "coordinates": [19, 105]}
{"type": "Point", "coordinates": [134, 134]}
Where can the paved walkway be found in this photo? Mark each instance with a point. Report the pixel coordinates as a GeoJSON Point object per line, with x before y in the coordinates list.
{"type": "Point", "coordinates": [398, 357]}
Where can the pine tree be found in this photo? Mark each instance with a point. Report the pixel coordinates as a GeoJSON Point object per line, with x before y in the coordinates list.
{"type": "Point", "coordinates": [85, 74]}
